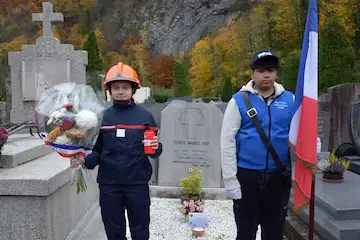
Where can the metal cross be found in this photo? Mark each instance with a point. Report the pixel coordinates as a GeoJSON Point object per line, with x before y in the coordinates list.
{"type": "Point", "coordinates": [47, 16]}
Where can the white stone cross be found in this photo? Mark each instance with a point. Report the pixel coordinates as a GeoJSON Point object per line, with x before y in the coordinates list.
{"type": "Point", "coordinates": [47, 16]}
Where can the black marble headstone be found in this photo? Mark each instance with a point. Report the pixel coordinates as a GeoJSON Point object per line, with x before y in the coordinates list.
{"type": "Point", "coordinates": [354, 124]}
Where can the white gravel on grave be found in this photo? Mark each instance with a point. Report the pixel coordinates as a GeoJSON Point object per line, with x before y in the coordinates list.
{"type": "Point", "coordinates": [166, 221]}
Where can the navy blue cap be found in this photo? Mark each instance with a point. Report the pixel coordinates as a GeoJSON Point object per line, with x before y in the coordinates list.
{"type": "Point", "coordinates": [264, 55]}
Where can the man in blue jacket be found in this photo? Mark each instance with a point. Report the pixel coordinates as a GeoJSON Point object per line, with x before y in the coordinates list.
{"type": "Point", "coordinates": [258, 177]}
{"type": "Point", "coordinates": [124, 168]}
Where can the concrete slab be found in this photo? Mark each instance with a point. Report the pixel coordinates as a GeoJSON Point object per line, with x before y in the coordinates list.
{"type": "Point", "coordinates": [40, 177]}
{"type": "Point", "coordinates": [39, 201]}
{"type": "Point", "coordinates": [337, 208]}
{"type": "Point", "coordinates": [22, 148]}
{"type": "Point", "coordinates": [341, 201]}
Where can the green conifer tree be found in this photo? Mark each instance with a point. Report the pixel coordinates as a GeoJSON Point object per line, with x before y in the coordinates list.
{"type": "Point", "coordinates": [181, 85]}
{"type": "Point", "coordinates": [227, 90]}
{"type": "Point", "coordinates": [94, 59]}
{"type": "Point", "coordinates": [336, 55]}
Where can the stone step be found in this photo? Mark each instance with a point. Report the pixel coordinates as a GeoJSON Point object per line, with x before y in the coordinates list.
{"type": "Point", "coordinates": [22, 148]}
{"type": "Point", "coordinates": [328, 227]}
{"type": "Point", "coordinates": [355, 167]}
{"type": "Point", "coordinates": [40, 177]}
{"type": "Point", "coordinates": [337, 207]}
{"type": "Point", "coordinates": [340, 200]}
{"type": "Point", "coordinates": [355, 164]}
{"type": "Point", "coordinates": [40, 192]}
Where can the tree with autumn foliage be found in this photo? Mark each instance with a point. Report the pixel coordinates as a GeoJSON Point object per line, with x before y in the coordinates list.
{"type": "Point", "coordinates": [160, 71]}
{"type": "Point", "coordinates": [343, 9]}
{"type": "Point", "coordinates": [112, 58]}
{"type": "Point", "coordinates": [14, 45]}
{"type": "Point", "coordinates": [135, 53]}
{"type": "Point", "coordinates": [201, 70]}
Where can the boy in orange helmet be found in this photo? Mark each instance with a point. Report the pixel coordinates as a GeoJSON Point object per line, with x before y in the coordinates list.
{"type": "Point", "coordinates": [124, 168]}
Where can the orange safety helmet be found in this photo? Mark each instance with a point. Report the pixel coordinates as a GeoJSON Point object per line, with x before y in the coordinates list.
{"type": "Point", "coordinates": [121, 72]}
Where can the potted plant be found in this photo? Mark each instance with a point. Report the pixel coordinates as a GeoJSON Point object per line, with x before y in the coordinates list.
{"type": "Point", "coordinates": [192, 185]}
{"type": "Point", "coordinates": [333, 168]}
{"type": "Point", "coordinates": [3, 137]}
{"type": "Point", "coordinates": [191, 200]}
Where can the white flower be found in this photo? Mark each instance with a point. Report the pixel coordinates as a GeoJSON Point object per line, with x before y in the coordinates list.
{"type": "Point", "coordinates": [86, 119]}
{"type": "Point", "coordinates": [63, 140]}
{"type": "Point", "coordinates": [323, 164]}
{"type": "Point", "coordinates": [55, 115]}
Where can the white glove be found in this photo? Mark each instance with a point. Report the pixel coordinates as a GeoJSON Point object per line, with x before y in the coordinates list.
{"type": "Point", "coordinates": [234, 193]}
{"type": "Point", "coordinates": [318, 145]}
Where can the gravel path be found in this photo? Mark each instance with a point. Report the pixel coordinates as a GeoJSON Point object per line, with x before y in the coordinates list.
{"type": "Point", "coordinates": [167, 223]}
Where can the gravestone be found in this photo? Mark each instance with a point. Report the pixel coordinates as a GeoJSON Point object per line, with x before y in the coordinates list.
{"type": "Point", "coordinates": [323, 102]}
{"type": "Point", "coordinates": [323, 129]}
{"type": "Point", "coordinates": [354, 124]}
{"type": "Point", "coordinates": [221, 105]}
{"type": "Point", "coordinates": [354, 130]}
{"type": "Point", "coordinates": [190, 134]}
{"type": "Point", "coordinates": [44, 64]}
{"type": "Point", "coordinates": [340, 97]}
{"type": "Point", "coordinates": [183, 98]}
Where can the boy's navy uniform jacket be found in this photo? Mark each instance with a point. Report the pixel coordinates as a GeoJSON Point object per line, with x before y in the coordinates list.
{"type": "Point", "coordinates": [119, 150]}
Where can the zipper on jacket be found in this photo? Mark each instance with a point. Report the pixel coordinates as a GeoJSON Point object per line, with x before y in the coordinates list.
{"type": "Point", "coordinates": [267, 150]}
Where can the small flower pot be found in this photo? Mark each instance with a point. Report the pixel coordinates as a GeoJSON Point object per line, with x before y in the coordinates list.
{"type": "Point", "coordinates": [198, 232]}
{"type": "Point", "coordinates": [333, 177]}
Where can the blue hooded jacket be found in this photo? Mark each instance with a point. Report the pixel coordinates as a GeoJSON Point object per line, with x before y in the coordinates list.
{"type": "Point", "coordinates": [275, 118]}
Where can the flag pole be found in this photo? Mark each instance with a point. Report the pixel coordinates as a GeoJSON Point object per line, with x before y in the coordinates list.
{"type": "Point", "coordinates": [312, 210]}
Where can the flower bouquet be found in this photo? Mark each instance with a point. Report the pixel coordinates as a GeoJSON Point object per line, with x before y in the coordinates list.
{"type": "Point", "coordinates": [3, 137]}
{"type": "Point", "coordinates": [71, 121]}
{"type": "Point", "coordinates": [191, 206]}
{"type": "Point", "coordinates": [333, 168]}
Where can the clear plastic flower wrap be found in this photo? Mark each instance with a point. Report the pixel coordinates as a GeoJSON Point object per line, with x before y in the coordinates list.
{"type": "Point", "coordinates": [70, 116]}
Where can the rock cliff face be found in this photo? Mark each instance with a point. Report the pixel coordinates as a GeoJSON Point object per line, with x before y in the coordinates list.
{"type": "Point", "coordinates": [173, 26]}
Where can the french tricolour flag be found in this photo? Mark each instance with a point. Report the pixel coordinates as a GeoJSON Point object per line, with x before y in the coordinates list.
{"type": "Point", "coordinates": [303, 128]}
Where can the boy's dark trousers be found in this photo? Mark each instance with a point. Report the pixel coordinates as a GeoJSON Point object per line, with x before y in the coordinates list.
{"type": "Point", "coordinates": [113, 201]}
{"type": "Point", "coordinates": [264, 196]}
